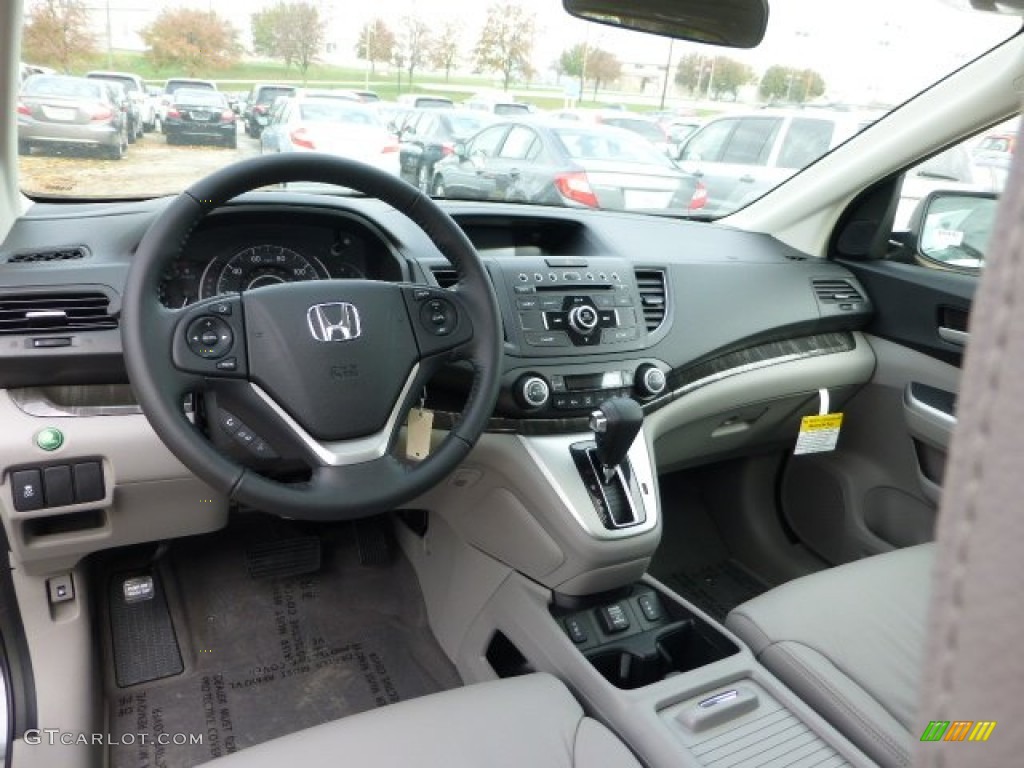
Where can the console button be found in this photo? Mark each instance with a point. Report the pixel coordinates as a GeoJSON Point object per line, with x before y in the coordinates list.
{"type": "Point", "coordinates": [27, 488]}
{"type": "Point", "coordinates": [561, 402]}
{"type": "Point", "coordinates": [604, 301]}
{"type": "Point", "coordinates": [623, 300]}
{"type": "Point", "coordinates": [532, 321]}
{"type": "Point", "coordinates": [88, 478]}
{"type": "Point", "coordinates": [618, 335]}
{"type": "Point", "coordinates": [575, 629]}
{"type": "Point", "coordinates": [553, 339]}
{"type": "Point", "coordinates": [57, 485]}
{"type": "Point", "coordinates": [532, 302]}
{"type": "Point", "coordinates": [649, 607]}
{"type": "Point", "coordinates": [557, 321]}
{"type": "Point", "coordinates": [613, 618]}
{"type": "Point", "coordinates": [607, 318]}
{"type": "Point", "coordinates": [551, 303]}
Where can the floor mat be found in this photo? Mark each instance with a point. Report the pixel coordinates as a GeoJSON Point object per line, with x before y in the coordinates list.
{"type": "Point", "coordinates": [717, 589]}
{"type": "Point", "coordinates": [270, 656]}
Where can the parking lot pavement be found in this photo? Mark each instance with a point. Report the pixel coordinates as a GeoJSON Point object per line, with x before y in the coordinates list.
{"type": "Point", "coordinates": [150, 167]}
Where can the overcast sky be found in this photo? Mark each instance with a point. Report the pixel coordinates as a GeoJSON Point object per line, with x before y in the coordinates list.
{"type": "Point", "coordinates": [889, 48]}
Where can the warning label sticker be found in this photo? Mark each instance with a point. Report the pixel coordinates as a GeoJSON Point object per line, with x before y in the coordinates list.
{"type": "Point", "coordinates": [818, 434]}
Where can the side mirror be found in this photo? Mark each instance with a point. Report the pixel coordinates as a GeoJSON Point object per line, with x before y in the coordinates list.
{"type": "Point", "coordinates": [460, 150]}
{"type": "Point", "coordinates": [953, 228]}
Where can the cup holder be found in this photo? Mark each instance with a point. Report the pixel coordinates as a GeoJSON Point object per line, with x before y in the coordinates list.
{"type": "Point", "coordinates": [680, 647]}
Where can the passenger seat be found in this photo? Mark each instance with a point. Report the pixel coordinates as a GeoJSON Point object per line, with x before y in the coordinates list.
{"type": "Point", "coordinates": [850, 641]}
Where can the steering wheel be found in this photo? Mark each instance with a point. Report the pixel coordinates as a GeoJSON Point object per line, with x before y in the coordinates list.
{"type": "Point", "coordinates": [322, 371]}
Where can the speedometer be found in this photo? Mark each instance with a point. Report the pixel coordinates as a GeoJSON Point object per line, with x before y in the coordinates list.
{"type": "Point", "coordinates": [256, 267]}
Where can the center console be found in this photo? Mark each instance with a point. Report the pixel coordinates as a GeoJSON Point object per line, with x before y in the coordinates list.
{"type": "Point", "coordinates": [581, 325]}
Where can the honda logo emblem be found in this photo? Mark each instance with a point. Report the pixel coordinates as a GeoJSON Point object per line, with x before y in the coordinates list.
{"type": "Point", "coordinates": [334, 322]}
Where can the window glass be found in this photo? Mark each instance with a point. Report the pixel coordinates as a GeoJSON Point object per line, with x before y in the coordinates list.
{"type": "Point", "coordinates": [806, 140]}
{"type": "Point", "coordinates": [751, 142]}
{"type": "Point", "coordinates": [519, 143]}
{"type": "Point", "coordinates": [708, 143]}
{"type": "Point", "coordinates": [487, 142]}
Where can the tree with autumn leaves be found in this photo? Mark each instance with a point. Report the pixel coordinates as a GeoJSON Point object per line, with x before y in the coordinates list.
{"type": "Point", "coordinates": [293, 32]}
{"type": "Point", "coordinates": [506, 42]}
{"type": "Point", "coordinates": [191, 41]}
{"type": "Point", "coordinates": [57, 34]}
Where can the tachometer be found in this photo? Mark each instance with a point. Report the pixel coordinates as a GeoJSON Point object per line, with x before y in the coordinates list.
{"type": "Point", "coordinates": [256, 267]}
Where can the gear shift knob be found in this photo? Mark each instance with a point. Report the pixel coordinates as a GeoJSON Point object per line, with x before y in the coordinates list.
{"type": "Point", "coordinates": [615, 424]}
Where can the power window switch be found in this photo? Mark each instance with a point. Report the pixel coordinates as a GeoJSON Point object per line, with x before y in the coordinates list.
{"type": "Point", "coordinates": [27, 488]}
{"type": "Point", "coordinates": [576, 631]}
{"type": "Point", "coordinates": [61, 588]}
{"type": "Point", "coordinates": [613, 618]}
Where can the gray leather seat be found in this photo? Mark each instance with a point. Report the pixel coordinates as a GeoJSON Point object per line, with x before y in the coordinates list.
{"type": "Point", "coordinates": [850, 641]}
{"type": "Point", "coordinates": [524, 721]}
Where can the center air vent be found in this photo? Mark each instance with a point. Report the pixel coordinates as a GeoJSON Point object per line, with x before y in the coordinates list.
{"type": "Point", "coordinates": [653, 297]}
{"type": "Point", "coordinates": [55, 312]}
{"type": "Point", "coordinates": [57, 254]}
{"type": "Point", "coordinates": [445, 277]}
{"type": "Point", "coordinates": [836, 292]}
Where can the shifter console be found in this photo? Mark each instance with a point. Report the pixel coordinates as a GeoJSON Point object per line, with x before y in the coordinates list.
{"type": "Point", "coordinates": [604, 466]}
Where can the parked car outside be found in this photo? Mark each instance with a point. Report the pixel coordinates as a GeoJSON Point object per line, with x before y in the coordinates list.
{"type": "Point", "coordinates": [172, 85]}
{"type": "Point", "coordinates": [430, 135]}
{"type": "Point", "coordinates": [642, 126]}
{"type": "Point", "coordinates": [143, 110]}
{"type": "Point", "coordinates": [739, 157]}
{"type": "Point", "coordinates": [200, 116]}
{"type": "Point", "coordinates": [497, 104]}
{"type": "Point", "coordinates": [257, 106]}
{"type": "Point", "coordinates": [334, 126]}
{"type": "Point", "coordinates": [55, 110]}
{"type": "Point", "coordinates": [423, 101]}
{"type": "Point", "coordinates": [368, 97]}
{"type": "Point", "coordinates": [565, 164]}
{"type": "Point", "coordinates": [954, 171]}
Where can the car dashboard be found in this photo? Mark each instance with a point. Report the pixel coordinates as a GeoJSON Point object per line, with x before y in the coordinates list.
{"type": "Point", "coordinates": [724, 337]}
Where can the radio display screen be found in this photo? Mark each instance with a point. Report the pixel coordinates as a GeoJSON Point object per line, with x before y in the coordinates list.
{"type": "Point", "coordinates": [607, 380]}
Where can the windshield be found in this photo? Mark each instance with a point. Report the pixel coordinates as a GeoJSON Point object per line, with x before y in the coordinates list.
{"type": "Point", "coordinates": [709, 116]}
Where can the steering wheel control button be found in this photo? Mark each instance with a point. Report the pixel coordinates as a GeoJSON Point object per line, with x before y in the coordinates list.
{"type": "Point", "coordinates": [228, 364]}
{"type": "Point", "coordinates": [209, 337]}
{"type": "Point", "coordinates": [57, 486]}
{"type": "Point", "coordinates": [88, 481]}
{"type": "Point", "coordinates": [222, 308]}
{"type": "Point", "coordinates": [421, 294]}
{"type": "Point", "coordinates": [228, 422]}
{"type": "Point", "coordinates": [49, 439]}
{"type": "Point", "coordinates": [27, 489]}
{"type": "Point", "coordinates": [613, 618]}
{"type": "Point", "coordinates": [262, 449]}
{"type": "Point", "coordinates": [438, 317]}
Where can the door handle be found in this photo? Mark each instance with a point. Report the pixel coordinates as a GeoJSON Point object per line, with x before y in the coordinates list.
{"type": "Point", "coordinates": [953, 336]}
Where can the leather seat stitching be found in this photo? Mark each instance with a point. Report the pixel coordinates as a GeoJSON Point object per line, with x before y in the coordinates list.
{"type": "Point", "coordinates": [809, 675]}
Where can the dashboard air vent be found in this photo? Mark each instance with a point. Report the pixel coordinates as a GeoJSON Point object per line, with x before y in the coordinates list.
{"type": "Point", "coordinates": [653, 297]}
{"type": "Point", "coordinates": [59, 254]}
{"type": "Point", "coordinates": [445, 277]}
{"type": "Point", "coordinates": [55, 312]}
{"type": "Point", "coordinates": [836, 291]}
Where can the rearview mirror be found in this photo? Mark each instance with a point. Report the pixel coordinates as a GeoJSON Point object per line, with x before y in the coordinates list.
{"type": "Point", "coordinates": [730, 23]}
{"type": "Point", "coordinates": [954, 228]}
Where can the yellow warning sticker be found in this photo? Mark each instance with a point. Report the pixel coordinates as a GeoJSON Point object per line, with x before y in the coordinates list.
{"type": "Point", "coordinates": [417, 438]}
{"type": "Point", "coordinates": [819, 434]}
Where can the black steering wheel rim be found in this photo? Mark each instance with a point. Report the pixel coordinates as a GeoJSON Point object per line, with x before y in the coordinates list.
{"type": "Point", "coordinates": [333, 493]}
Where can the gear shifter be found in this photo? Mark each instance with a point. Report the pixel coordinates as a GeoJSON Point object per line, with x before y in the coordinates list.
{"type": "Point", "coordinates": [615, 424]}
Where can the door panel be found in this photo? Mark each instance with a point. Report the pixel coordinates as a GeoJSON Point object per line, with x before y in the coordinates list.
{"type": "Point", "coordinates": [879, 489]}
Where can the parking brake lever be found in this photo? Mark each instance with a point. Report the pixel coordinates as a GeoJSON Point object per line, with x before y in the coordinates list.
{"type": "Point", "coordinates": [615, 425]}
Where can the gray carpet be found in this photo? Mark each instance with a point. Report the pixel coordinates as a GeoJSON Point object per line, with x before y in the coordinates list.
{"type": "Point", "coordinates": [267, 657]}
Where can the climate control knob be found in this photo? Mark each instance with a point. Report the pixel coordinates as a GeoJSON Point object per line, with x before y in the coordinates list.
{"type": "Point", "coordinates": [533, 391]}
{"type": "Point", "coordinates": [583, 319]}
{"type": "Point", "coordinates": [650, 380]}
